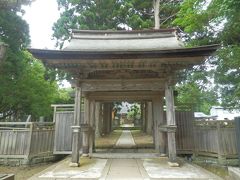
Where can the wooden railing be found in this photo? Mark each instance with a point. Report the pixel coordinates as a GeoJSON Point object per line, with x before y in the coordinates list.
{"type": "Point", "coordinates": [207, 138]}
{"type": "Point", "coordinates": [61, 108]}
{"type": "Point", "coordinates": [215, 138]}
{"type": "Point", "coordinates": [25, 139]}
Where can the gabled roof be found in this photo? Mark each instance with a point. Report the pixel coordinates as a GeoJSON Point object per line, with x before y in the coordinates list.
{"type": "Point", "coordinates": [144, 40]}
{"type": "Point", "coordinates": [124, 54]}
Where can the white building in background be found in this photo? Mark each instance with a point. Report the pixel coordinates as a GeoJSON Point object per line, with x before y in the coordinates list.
{"type": "Point", "coordinates": [224, 114]}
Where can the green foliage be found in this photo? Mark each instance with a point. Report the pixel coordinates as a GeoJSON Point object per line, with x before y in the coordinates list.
{"type": "Point", "coordinates": [14, 31]}
{"type": "Point", "coordinates": [227, 75]}
{"type": "Point", "coordinates": [109, 14]}
{"type": "Point", "coordinates": [200, 100]}
{"type": "Point", "coordinates": [134, 111]}
{"type": "Point", "coordinates": [216, 21]}
{"type": "Point", "coordinates": [23, 85]}
{"type": "Point", "coordinates": [196, 89]}
{"type": "Point", "coordinates": [23, 88]}
{"type": "Point", "coordinates": [65, 96]}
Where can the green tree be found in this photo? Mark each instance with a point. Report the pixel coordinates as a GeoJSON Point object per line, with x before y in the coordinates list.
{"type": "Point", "coordinates": [65, 96]}
{"type": "Point", "coordinates": [134, 112]}
{"type": "Point", "coordinates": [216, 21]}
{"type": "Point", "coordinates": [23, 87]}
{"type": "Point", "coordinates": [110, 14]}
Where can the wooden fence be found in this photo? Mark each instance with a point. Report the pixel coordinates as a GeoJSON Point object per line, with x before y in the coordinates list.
{"type": "Point", "coordinates": [31, 139]}
{"type": "Point", "coordinates": [26, 139]}
{"type": "Point", "coordinates": [215, 138]}
{"type": "Point", "coordinates": [184, 133]}
{"type": "Point", "coordinates": [63, 118]}
{"type": "Point", "coordinates": [207, 138]}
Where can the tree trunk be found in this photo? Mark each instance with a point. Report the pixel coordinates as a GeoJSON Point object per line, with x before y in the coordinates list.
{"type": "Point", "coordinates": [156, 5]}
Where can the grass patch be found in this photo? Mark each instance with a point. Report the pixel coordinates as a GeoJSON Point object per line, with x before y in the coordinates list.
{"type": "Point", "coordinates": [142, 140]}
{"type": "Point", "coordinates": [22, 173]}
{"type": "Point", "coordinates": [109, 140]}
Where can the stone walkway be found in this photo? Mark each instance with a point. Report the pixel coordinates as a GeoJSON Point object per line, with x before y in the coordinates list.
{"type": "Point", "coordinates": [129, 168]}
{"type": "Point", "coordinates": [124, 169]}
{"type": "Point", "coordinates": [125, 140]}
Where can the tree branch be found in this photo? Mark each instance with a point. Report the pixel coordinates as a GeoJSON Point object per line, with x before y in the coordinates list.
{"type": "Point", "coordinates": [166, 19]}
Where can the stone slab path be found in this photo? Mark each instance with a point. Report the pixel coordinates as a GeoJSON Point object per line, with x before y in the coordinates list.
{"type": "Point", "coordinates": [127, 168]}
{"type": "Point", "coordinates": [125, 140]}
{"type": "Point", "coordinates": [124, 169]}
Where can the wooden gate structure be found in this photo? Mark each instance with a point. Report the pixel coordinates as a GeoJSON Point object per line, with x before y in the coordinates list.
{"type": "Point", "coordinates": [109, 66]}
{"type": "Point", "coordinates": [63, 118]}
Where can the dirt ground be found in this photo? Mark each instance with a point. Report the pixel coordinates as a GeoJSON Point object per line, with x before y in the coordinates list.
{"type": "Point", "coordinates": [23, 173]}
{"type": "Point", "coordinates": [108, 141]}
{"type": "Point", "coordinates": [142, 140]}
{"type": "Point", "coordinates": [214, 168]}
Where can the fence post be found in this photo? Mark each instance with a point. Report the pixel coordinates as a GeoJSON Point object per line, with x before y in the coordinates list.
{"type": "Point", "coordinates": [237, 127]}
{"type": "Point", "coordinates": [54, 113]}
{"type": "Point", "coordinates": [195, 140]}
{"type": "Point", "coordinates": [221, 159]}
{"type": "Point", "coordinates": [29, 141]}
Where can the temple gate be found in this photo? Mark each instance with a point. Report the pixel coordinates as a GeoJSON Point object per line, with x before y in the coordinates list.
{"type": "Point", "coordinates": [109, 66]}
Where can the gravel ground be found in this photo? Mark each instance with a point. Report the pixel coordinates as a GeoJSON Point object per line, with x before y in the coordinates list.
{"type": "Point", "coordinates": [23, 173]}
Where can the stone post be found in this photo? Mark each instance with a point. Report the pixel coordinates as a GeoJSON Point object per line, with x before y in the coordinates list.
{"type": "Point", "coordinates": [76, 128]}
{"type": "Point", "coordinates": [171, 123]}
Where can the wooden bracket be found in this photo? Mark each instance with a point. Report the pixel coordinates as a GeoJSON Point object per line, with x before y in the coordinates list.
{"type": "Point", "coordinates": [167, 128]}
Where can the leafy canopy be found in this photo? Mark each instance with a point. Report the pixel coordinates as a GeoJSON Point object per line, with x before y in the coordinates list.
{"type": "Point", "coordinates": [109, 14]}
{"type": "Point", "coordinates": [23, 87]}
{"type": "Point", "coordinates": [216, 21]}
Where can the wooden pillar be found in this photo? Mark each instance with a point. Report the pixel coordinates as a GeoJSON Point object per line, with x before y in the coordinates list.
{"type": "Point", "coordinates": [76, 128]}
{"type": "Point", "coordinates": [143, 116]}
{"type": "Point", "coordinates": [107, 118]}
{"type": "Point", "coordinates": [149, 122]}
{"type": "Point", "coordinates": [159, 138]}
{"type": "Point", "coordinates": [97, 119]}
{"type": "Point", "coordinates": [92, 126]}
{"type": "Point", "coordinates": [171, 123]}
{"type": "Point", "coordinates": [101, 119]}
{"type": "Point", "coordinates": [85, 134]}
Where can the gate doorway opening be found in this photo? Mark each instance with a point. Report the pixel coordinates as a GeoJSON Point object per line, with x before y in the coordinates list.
{"type": "Point", "coordinates": [127, 129]}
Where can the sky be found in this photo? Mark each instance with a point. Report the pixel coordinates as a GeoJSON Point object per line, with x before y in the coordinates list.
{"type": "Point", "coordinates": [41, 15]}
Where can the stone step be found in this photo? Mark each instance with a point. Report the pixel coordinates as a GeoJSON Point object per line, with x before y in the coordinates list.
{"type": "Point", "coordinates": [126, 155]}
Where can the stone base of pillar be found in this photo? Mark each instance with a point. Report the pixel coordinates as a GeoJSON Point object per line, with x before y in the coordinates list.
{"type": "Point", "coordinates": [85, 155]}
{"type": "Point", "coordinates": [173, 164]}
{"type": "Point", "coordinates": [71, 164]}
{"type": "Point", "coordinates": [163, 155]}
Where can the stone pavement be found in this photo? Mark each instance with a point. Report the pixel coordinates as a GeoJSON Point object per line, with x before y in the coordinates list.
{"type": "Point", "coordinates": [125, 167]}
{"type": "Point", "coordinates": [125, 140]}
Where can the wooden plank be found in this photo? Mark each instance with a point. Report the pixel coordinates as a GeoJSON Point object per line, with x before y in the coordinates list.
{"type": "Point", "coordinates": [171, 121]}
{"type": "Point", "coordinates": [158, 120]}
{"type": "Point", "coordinates": [29, 141]}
